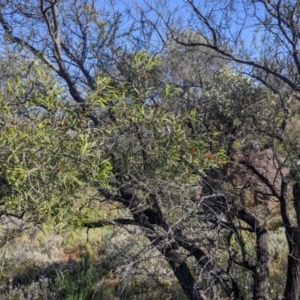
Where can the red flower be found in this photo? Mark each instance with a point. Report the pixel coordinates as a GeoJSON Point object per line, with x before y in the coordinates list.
{"type": "Point", "coordinates": [210, 156]}
{"type": "Point", "coordinates": [147, 74]}
{"type": "Point", "coordinates": [192, 149]}
{"type": "Point", "coordinates": [60, 169]}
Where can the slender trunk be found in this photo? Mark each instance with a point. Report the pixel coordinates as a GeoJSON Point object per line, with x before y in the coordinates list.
{"type": "Point", "coordinates": [292, 288]}
{"type": "Point", "coordinates": [261, 270]}
{"type": "Point", "coordinates": [218, 274]}
{"type": "Point", "coordinates": [219, 203]}
{"type": "Point", "coordinates": [147, 218]}
{"type": "Point", "coordinates": [153, 216]}
{"type": "Point", "coordinates": [184, 276]}
{"type": "Point", "coordinates": [179, 267]}
{"type": "Point", "coordinates": [261, 274]}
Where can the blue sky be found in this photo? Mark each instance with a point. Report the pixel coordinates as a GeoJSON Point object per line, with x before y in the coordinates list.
{"type": "Point", "coordinates": [182, 16]}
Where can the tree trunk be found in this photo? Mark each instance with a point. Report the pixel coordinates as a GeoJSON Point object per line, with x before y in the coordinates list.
{"type": "Point", "coordinates": [184, 276]}
{"type": "Point", "coordinates": [153, 216]}
{"type": "Point", "coordinates": [219, 203]}
{"type": "Point", "coordinates": [292, 288]}
{"type": "Point", "coordinates": [146, 218]}
{"type": "Point", "coordinates": [261, 270]}
{"type": "Point", "coordinates": [261, 274]}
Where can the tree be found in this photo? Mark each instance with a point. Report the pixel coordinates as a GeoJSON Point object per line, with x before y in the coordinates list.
{"type": "Point", "coordinates": [273, 21]}
{"type": "Point", "coordinates": [38, 142]}
{"type": "Point", "coordinates": [73, 38]}
{"type": "Point", "coordinates": [157, 161]}
{"type": "Point", "coordinates": [261, 39]}
{"type": "Point", "coordinates": [170, 146]}
{"type": "Point", "coordinates": [140, 161]}
{"type": "Point", "coordinates": [146, 161]}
